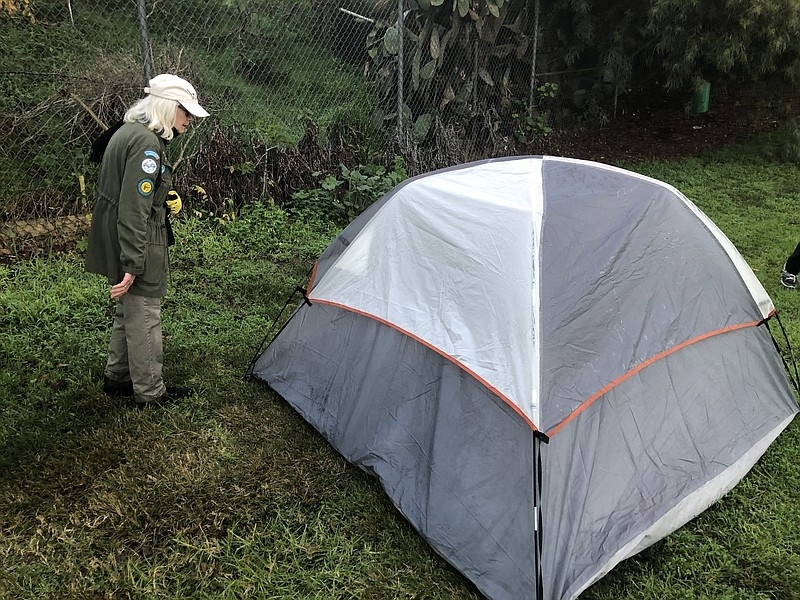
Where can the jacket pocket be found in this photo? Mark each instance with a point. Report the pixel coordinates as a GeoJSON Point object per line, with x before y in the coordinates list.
{"type": "Point", "coordinates": [156, 264]}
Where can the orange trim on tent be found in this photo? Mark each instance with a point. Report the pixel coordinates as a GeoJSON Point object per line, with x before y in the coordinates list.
{"type": "Point", "coordinates": [439, 352]}
{"type": "Point", "coordinates": [312, 277]}
{"type": "Point", "coordinates": [589, 401]}
{"type": "Point", "coordinates": [586, 403]}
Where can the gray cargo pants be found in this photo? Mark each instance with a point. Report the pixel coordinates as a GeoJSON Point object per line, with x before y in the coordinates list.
{"type": "Point", "coordinates": [136, 351]}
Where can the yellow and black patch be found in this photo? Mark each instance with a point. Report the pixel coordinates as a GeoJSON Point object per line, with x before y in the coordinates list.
{"type": "Point", "coordinates": [145, 187]}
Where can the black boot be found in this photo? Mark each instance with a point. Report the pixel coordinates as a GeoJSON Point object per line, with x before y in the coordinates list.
{"type": "Point", "coordinates": [173, 395]}
{"type": "Point", "coordinates": [117, 388]}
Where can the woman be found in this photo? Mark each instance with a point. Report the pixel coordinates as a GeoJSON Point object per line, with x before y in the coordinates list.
{"type": "Point", "coordinates": [129, 236]}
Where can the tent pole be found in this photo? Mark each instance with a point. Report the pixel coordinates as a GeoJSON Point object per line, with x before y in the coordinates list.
{"type": "Point", "coordinates": [263, 343]}
{"type": "Point", "coordinates": [793, 376]}
{"type": "Point", "coordinates": [537, 513]}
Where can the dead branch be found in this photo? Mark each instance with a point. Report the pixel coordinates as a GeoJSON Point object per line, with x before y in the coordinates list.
{"type": "Point", "coordinates": [88, 110]}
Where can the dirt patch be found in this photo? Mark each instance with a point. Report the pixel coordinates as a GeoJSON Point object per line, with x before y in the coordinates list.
{"type": "Point", "coordinates": [36, 237]}
{"type": "Point", "coordinates": [653, 124]}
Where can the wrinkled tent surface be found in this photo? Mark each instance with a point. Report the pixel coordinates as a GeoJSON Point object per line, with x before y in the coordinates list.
{"type": "Point", "coordinates": [549, 364]}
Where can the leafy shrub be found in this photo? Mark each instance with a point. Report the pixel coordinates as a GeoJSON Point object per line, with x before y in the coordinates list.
{"type": "Point", "coordinates": [342, 197]}
{"type": "Point", "coordinates": [260, 229]}
{"type": "Point", "coordinates": [530, 125]}
{"type": "Point", "coordinates": [789, 142]}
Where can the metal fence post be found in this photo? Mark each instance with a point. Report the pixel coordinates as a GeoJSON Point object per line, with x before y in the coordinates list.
{"type": "Point", "coordinates": [401, 35]}
{"type": "Point", "coordinates": [531, 97]}
{"type": "Point", "coordinates": [144, 39]}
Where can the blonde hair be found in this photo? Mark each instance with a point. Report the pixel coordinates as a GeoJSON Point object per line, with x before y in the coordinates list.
{"type": "Point", "coordinates": [157, 113]}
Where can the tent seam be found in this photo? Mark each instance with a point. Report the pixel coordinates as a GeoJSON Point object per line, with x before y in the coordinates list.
{"type": "Point", "coordinates": [641, 366]}
{"type": "Point", "coordinates": [441, 353]}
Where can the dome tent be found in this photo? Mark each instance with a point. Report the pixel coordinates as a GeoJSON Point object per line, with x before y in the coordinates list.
{"type": "Point", "coordinates": [549, 364]}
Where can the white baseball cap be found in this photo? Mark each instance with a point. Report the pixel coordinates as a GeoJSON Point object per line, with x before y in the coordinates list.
{"type": "Point", "coordinates": [172, 87]}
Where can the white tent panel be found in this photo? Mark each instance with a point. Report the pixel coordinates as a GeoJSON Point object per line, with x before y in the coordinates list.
{"type": "Point", "coordinates": [451, 261]}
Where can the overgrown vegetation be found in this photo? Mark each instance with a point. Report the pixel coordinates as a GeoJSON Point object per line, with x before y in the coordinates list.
{"type": "Point", "coordinates": [471, 86]}
{"type": "Point", "coordinates": [69, 74]}
{"type": "Point", "coordinates": [231, 495]}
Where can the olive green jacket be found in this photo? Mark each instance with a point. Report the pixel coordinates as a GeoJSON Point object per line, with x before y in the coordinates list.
{"type": "Point", "coordinates": [128, 232]}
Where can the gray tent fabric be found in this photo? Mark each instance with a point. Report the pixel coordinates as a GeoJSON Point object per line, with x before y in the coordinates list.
{"type": "Point", "coordinates": [549, 364]}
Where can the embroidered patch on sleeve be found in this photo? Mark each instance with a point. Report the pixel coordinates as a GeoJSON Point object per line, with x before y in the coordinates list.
{"type": "Point", "coordinates": [151, 154]}
{"type": "Point", "coordinates": [149, 166]}
{"type": "Point", "coordinates": [145, 187]}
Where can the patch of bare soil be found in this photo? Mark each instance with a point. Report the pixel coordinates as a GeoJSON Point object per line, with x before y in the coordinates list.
{"type": "Point", "coordinates": [653, 124]}
{"type": "Point", "coordinates": [40, 237]}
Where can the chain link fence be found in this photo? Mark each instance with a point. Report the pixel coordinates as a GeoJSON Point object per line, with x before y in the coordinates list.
{"type": "Point", "coordinates": [294, 88]}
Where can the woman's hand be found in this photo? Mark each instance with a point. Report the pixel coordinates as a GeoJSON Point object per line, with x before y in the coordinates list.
{"type": "Point", "coordinates": [119, 290]}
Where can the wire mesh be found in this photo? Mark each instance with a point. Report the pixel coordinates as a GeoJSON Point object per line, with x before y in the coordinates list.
{"type": "Point", "coordinates": [459, 83]}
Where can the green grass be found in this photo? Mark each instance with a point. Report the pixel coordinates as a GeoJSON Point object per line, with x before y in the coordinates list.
{"type": "Point", "coordinates": [232, 495]}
